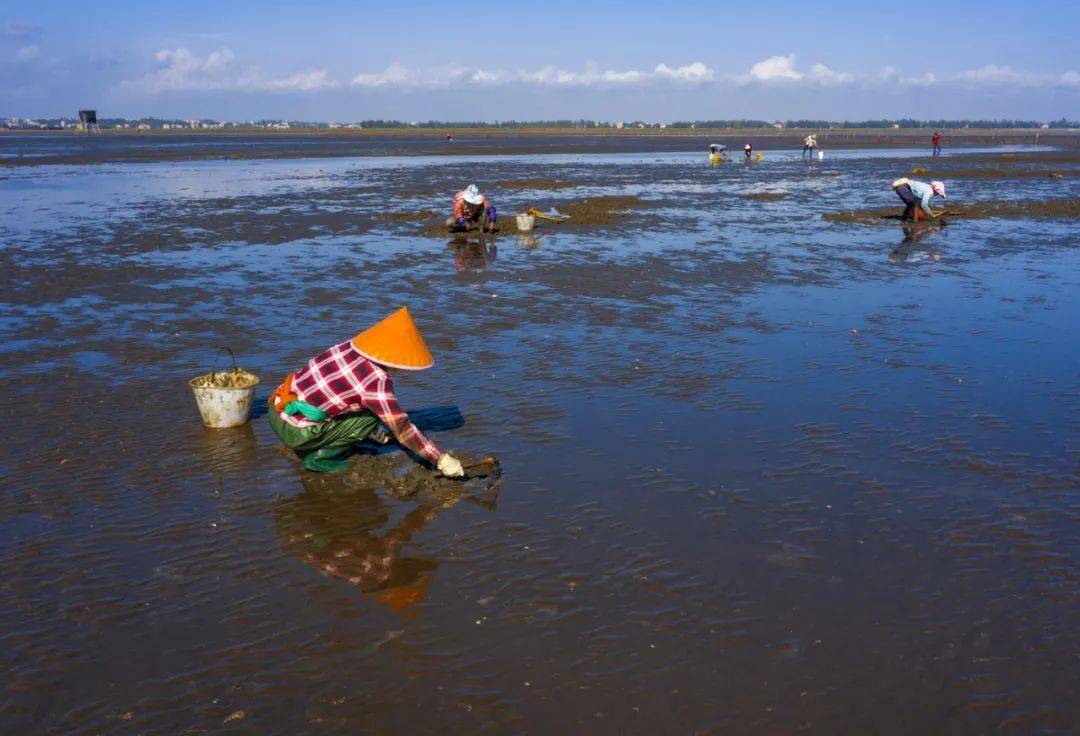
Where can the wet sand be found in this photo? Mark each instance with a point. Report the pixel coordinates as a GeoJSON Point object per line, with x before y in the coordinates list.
{"type": "Point", "coordinates": [594, 212]}
{"type": "Point", "coordinates": [762, 472]}
{"type": "Point", "coordinates": [1023, 208]}
{"type": "Point", "coordinates": [534, 184]}
{"type": "Point", "coordinates": [764, 196]}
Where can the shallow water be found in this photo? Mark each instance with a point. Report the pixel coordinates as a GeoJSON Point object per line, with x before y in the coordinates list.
{"type": "Point", "coordinates": [762, 473]}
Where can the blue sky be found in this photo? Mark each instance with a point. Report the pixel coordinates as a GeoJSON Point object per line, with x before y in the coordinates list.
{"type": "Point", "coordinates": [605, 60]}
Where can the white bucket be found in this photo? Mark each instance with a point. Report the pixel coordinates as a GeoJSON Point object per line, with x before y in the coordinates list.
{"type": "Point", "coordinates": [224, 407]}
{"type": "Point", "coordinates": [525, 223]}
{"type": "Point", "coordinates": [820, 155]}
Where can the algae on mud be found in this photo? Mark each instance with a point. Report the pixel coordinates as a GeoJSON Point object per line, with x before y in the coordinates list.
{"type": "Point", "coordinates": [584, 213]}
{"type": "Point", "coordinates": [764, 196]}
{"type": "Point", "coordinates": [976, 211]}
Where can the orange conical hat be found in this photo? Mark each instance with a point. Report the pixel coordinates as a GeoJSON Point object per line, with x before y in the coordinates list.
{"type": "Point", "coordinates": [395, 343]}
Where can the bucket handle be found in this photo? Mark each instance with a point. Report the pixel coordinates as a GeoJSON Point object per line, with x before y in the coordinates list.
{"type": "Point", "coordinates": [232, 356]}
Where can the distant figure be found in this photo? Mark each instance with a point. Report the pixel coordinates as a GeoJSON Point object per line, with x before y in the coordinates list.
{"type": "Point", "coordinates": [809, 144]}
{"type": "Point", "coordinates": [916, 196]}
{"type": "Point", "coordinates": [450, 137]}
{"type": "Point", "coordinates": [472, 211]}
{"type": "Point", "coordinates": [748, 149]}
{"type": "Point", "coordinates": [716, 152]}
{"type": "Point", "coordinates": [936, 142]}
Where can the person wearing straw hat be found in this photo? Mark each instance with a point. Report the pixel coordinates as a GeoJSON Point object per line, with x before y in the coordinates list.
{"type": "Point", "coordinates": [809, 144]}
{"type": "Point", "coordinates": [916, 196]}
{"type": "Point", "coordinates": [473, 211]}
{"type": "Point", "coordinates": [345, 395]}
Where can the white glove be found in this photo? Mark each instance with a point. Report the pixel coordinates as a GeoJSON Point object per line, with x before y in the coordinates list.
{"type": "Point", "coordinates": [450, 466]}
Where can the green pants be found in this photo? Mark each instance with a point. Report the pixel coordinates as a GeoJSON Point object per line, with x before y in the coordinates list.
{"type": "Point", "coordinates": [321, 444]}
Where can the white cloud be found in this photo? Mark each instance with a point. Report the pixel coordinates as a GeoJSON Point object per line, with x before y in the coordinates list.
{"type": "Point", "coordinates": [824, 75]}
{"type": "Point", "coordinates": [696, 72]}
{"type": "Point", "coordinates": [782, 69]}
{"type": "Point", "coordinates": [892, 75]}
{"type": "Point", "coordinates": [181, 70]}
{"type": "Point", "coordinates": [398, 75]}
{"type": "Point", "coordinates": [303, 81]}
{"type": "Point", "coordinates": [482, 76]}
{"type": "Point", "coordinates": [26, 53]}
{"type": "Point", "coordinates": [395, 74]}
{"type": "Point", "coordinates": [774, 68]}
{"type": "Point", "coordinates": [992, 73]}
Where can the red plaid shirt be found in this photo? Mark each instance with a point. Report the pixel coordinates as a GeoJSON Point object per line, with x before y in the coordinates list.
{"type": "Point", "coordinates": [341, 380]}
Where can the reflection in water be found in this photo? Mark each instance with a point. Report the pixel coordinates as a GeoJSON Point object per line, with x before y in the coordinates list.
{"type": "Point", "coordinates": [346, 533]}
{"type": "Point", "coordinates": [473, 255]}
{"type": "Point", "coordinates": [911, 248]}
{"type": "Point", "coordinates": [229, 449]}
{"type": "Point", "coordinates": [528, 240]}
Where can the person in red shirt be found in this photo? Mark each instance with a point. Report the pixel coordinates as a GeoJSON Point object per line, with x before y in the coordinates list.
{"type": "Point", "coordinates": [936, 141]}
{"type": "Point", "coordinates": [345, 395]}
{"type": "Point", "coordinates": [473, 211]}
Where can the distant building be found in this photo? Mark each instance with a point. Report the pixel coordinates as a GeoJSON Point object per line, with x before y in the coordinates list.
{"type": "Point", "coordinates": [87, 121]}
{"type": "Point", "coordinates": [618, 125]}
{"type": "Point", "coordinates": [778, 125]}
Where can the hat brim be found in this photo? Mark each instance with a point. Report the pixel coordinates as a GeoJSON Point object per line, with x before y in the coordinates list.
{"type": "Point", "coordinates": [473, 200]}
{"type": "Point", "coordinates": [388, 364]}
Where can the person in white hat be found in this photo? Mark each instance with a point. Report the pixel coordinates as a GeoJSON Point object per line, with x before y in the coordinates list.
{"type": "Point", "coordinates": [473, 211]}
{"type": "Point", "coordinates": [809, 144]}
{"type": "Point", "coordinates": [916, 195]}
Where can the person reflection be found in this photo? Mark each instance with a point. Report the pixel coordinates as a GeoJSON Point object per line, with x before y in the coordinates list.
{"type": "Point", "coordinates": [472, 255]}
{"type": "Point", "coordinates": [912, 249]}
{"type": "Point", "coordinates": [347, 533]}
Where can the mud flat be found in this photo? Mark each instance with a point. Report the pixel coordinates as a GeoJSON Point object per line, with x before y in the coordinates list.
{"type": "Point", "coordinates": [1049, 164]}
{"type": "Point", "coordinates": [977, 211]}
{"type": "Point", "coordinates": [995, 173]}
{"type": "Point", "coordinates": [420, 216]}
{"type": "Point", "coordinates": [535, 184]}
{"type": "Point", "coordinates": [836, 459]}
{"type": "Point", "coordinates": [764, 196]}
{"type": "Point", "coordinates": [115, 147]}
{"type": "Point", "coordinates": [588, 213]}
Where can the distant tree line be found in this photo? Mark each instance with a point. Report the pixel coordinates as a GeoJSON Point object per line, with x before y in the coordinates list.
{"type": "Point", "coordinates": [902, 123]}
{"type": "Point", "coordinates": [909, 123]}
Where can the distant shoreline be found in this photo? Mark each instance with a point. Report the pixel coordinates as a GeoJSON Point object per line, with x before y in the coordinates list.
{"type": "Point", "coordinates": [425, 132]}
